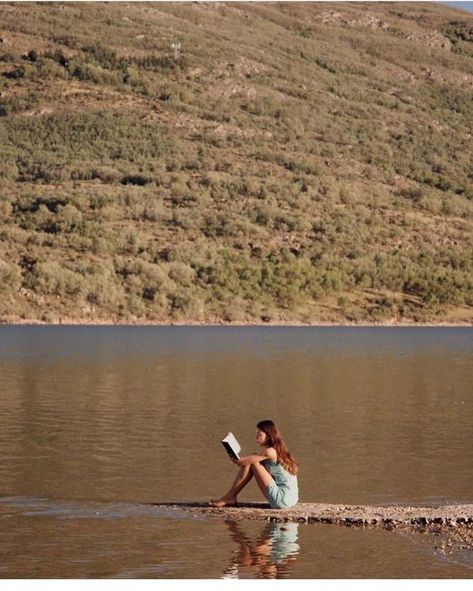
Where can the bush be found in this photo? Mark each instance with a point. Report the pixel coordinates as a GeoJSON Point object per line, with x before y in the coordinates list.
{"type": "Point", "coordinates": [162, 63]}
{"type": "Point", "coordinates": [16, 73]}
{"type": "Point", "coordinates": [135, 179]}
{"type": "Point", "coordinates": [146, 280]}
{"type": "Point", "coordinates": [104, 56]}
{"type": "Point", "coordinates": [86, 72]}
{"type": "Point", "coordinates": [102, 287]}
{"type": "Point", "coordinates": [13, 105]}
{"type": "Point", "coordinates": [51, 278]}
{"type": "Point", "coordinates": [10, 277]}
{"type": "Point", "coordinates": [181, 273]}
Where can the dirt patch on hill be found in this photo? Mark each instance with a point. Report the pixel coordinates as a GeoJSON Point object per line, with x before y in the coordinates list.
{"type": "Point", "coordinates": [368, 20]}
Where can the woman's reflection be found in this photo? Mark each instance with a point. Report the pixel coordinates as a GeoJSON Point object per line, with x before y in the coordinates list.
{"type": "Point", "coordinates": [271, 556]}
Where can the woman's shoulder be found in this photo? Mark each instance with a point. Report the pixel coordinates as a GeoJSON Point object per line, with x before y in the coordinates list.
{"type": "Point", "coordinates": [272, 454]}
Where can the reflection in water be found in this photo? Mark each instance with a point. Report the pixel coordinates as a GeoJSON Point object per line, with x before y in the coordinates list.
{"type": "Point", "coordinates": [271, 556]}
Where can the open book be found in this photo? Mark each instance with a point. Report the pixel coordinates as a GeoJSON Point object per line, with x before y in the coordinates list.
{"type": "Point", "coordinates": [232, 446]}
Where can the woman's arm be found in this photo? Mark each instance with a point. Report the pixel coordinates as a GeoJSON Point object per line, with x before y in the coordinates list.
{"type": "Point", "coordinates": [253, 459]}
{"type": "Point", "coordinates": [270, 453]}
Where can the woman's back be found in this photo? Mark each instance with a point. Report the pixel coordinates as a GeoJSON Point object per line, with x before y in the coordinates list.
{"type": "Point", "coordinates": [284, 480]}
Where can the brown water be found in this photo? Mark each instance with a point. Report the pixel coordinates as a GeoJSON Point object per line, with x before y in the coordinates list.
{"type": "Point", "coordinates": [95, 422]}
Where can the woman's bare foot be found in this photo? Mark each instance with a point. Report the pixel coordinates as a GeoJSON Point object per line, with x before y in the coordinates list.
{"type": "Point", "coordinates": [223, 502]}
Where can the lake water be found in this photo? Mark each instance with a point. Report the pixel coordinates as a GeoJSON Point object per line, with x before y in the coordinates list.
{"type": "Point", "coordinates": [97, 422]}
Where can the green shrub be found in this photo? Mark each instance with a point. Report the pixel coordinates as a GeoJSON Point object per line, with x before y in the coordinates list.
{"type": "Point", "coordinates": [86, 72]}
{"type": "Point", "coordinates": [102, 287]}
{"type": "Point", "coordinates": [181, 273]}
{"type": "Point", "coordinates": [102, 55]}
{"type": "Point", "coordinates": [52, 278]}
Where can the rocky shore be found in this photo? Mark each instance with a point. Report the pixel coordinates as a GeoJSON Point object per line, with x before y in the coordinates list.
{"type": "Point", "coordinates": [452, 525]}
{"type": "Point", "coordinates": [361, 515]}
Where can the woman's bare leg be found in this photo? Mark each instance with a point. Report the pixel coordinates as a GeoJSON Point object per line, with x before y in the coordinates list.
{"type": "Point", "coordinates": [245, 474]}
{"type": "Point", "coordinates": [262, 476]}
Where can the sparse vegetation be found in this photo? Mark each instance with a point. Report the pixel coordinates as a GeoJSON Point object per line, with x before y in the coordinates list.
{"type": "Point", "coordinates": [236, 162]}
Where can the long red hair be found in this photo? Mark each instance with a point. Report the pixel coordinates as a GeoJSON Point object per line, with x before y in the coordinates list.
{"type": "Point", "coordinates": [274, 439]}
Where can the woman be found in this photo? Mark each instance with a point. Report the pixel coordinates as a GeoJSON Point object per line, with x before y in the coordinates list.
{"type": "Point", "coordinates": [274, 469]}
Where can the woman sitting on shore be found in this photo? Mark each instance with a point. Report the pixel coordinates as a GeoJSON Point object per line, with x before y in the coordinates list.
{"type": "Point", "coordinates": [274, 469]}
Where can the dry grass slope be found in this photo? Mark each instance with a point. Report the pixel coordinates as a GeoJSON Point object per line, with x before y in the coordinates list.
{"type": "Point", "coordinates": [236, 162]}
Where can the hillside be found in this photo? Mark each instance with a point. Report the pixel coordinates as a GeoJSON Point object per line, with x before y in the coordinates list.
{"type": "Point", "coordinates": [236, 162]}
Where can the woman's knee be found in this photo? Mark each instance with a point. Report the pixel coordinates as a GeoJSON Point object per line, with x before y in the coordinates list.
{"type": "Point", "coordinates": [256, 467]}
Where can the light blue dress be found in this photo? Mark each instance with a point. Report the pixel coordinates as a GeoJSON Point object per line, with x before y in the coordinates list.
{"type": "Point", "coordinates": [283, 541]}
{"type": "Point", "coordinates": [284, 491]}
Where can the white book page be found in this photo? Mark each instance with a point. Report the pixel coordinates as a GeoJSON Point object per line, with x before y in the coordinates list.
{"type": "Point", "coordinates": [230, 438]}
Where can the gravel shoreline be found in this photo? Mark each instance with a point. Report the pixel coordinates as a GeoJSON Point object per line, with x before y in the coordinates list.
{"type": "Point", "coordinates": [451, 524]}
{"type": "Point", "coordinates": [447, 515]}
